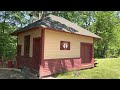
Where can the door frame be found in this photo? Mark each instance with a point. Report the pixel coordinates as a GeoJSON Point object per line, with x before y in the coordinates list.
{"type": "Point", "coordinates": [81, 51]}
{"type": "Point", "coordinates": [40, 49]}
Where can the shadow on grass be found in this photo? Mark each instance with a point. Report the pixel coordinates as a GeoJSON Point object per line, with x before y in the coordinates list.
{"type": "Point", "coordinates": [95, 63]}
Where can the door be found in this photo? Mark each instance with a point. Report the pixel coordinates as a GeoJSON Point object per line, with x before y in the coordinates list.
{"type": "Point", "coordinates": [86, 53]}
{"type": "Point", "coordinates": [37, 52]}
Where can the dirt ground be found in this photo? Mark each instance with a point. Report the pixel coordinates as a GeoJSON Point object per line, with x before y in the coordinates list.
{"type": "Point", "coordinates": [11, 74]}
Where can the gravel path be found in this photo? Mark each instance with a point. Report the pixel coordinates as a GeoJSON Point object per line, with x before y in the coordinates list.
{"type": "Point", "coordinates": [11, 73]}
{"type": "Point", "coordinates": [6, 73]}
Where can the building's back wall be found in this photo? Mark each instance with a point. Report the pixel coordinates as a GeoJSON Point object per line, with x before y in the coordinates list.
{"type": "Point", "coordinates": [52, 44]}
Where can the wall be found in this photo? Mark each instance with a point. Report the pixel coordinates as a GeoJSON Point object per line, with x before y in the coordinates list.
{"type": "Point", "coordinates": [63, 65]}
{"type": "Point", "coordinates": [52, 44]}
{"type": "Point", "coordinates": [33, 34]}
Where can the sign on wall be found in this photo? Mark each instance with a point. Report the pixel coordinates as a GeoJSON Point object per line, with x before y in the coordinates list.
{"type": "Point", "coordinates": [64, 45]}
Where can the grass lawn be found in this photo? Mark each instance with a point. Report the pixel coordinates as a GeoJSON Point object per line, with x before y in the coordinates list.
{"type": "Point", "coordinates": [108, 68]}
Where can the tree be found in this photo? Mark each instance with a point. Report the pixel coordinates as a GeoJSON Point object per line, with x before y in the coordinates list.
{"type": "Point", "coordinates": [9, 22]}
{"type": "Point", "coordinates": [104, 26]}
{"type": "Point", "coordinates": [103, 23]}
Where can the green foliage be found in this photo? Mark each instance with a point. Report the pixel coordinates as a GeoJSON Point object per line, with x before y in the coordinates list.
{"type": "Point", "coordinates": [105, 26]}
{"type": "Point", "coordinates": [9, 22]}
{"type": "Point", "coordinates": [103, 23]}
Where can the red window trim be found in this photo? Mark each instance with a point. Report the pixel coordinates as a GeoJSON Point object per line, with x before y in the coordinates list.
{"type": "Point", "coordinates": [61, 45]}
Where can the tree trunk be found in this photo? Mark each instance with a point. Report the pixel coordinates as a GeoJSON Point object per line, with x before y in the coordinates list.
{"type": "Point", "coordinates": [104, 51]}
{"type": "Point", "coordinates": [44, 13]}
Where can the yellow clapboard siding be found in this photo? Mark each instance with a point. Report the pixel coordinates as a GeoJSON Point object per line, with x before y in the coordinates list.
{"type": "Point", "coordinates": [52, 44]}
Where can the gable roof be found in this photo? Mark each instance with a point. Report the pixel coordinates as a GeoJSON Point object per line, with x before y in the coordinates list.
{"type": "Point", "coordinates": [57, 23]}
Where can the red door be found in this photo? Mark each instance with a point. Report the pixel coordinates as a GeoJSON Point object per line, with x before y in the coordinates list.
{"type": "Point", "coordinates": [86, 52]}
{"type": "Point", "coordinates": [37, 52]}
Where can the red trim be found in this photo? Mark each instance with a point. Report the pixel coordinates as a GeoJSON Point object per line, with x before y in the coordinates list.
{"type": "Point", "coordinates": [68, 59]}
{"type": "Point", "coordinates": [61, 45]}
{"type": "Point", "coordinates": [93, 49]}
{"type": "Point", "coordinates": [42, 54]}
{"type": "Point", "coordinates": [92, 53]}
{"type": "Point", "coordinates": [43, 38]}
{"type": "Point", "coordinates": [87, 43]}
{"type": "Point", "coordinates": [40, 47]}
{"type": "Point", "coordinates": [92, 61]}
{"type": "Point", "coordinates": [62, 58]}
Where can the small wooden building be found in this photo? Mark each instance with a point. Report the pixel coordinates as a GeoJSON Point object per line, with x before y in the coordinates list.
{"type": "Point", "coordinates": [54, 44]}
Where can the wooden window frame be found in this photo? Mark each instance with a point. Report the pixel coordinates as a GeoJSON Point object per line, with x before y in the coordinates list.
{"type": "Point", "coordinates": [61, 45]}
{"type": "Point", "coordinates": [27, 45]}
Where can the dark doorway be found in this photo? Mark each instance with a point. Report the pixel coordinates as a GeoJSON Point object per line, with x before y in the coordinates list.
{"type": "Point", "coordinates": [37, 52]}
{"type": "Point", "coordinates": [86, 53]}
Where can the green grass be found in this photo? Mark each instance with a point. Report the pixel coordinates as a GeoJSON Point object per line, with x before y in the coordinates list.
{"type": "Point", "coordinates": [108, 68]}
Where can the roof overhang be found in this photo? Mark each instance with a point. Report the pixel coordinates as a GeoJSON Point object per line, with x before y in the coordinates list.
{"type": "Point", "coordinates": [40, 27]}
{"type": "Point", "coordinates": [15, 33]}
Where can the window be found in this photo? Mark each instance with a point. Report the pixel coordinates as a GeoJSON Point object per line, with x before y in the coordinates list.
{"type": "Point", "coordinates": [64, 45]}
{"type": "Point", "coordinates": [26, 45]}
{"type": "Point", "coordinates": [18, 50]}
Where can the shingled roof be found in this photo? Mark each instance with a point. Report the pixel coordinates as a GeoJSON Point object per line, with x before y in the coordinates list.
{"type": "Point", "coordinates": [58, 23]}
